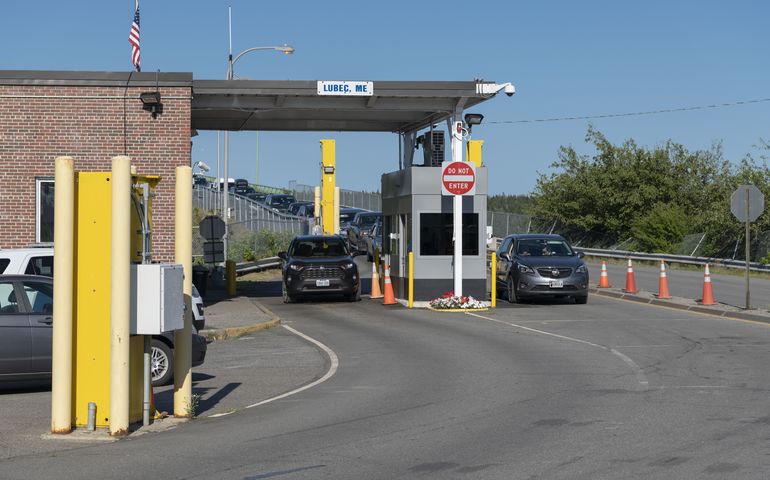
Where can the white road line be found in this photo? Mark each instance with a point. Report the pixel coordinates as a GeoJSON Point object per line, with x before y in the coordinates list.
{"type": "Point", "coordinates": [640, 377]}
{"type": "Point", "coordinates": [329, 374]}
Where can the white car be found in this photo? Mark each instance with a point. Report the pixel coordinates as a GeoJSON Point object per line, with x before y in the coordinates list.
{"type": "Point", "coordinates": [39, 261]}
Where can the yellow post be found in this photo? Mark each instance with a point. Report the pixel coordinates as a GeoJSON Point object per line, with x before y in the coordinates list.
{"type": "Point", "coordinates": [411, 279]}
{"type": "Point", "coordinates": [493, 268]}
{"type": "Point", "coordinates": [183, 255]}
{"type": "Point", "coordinates": [64, 220]}
{"type": "Point", "coordinates": [328, 182]}
{"type": "Point", "coordinates": [316, 206]}
{"type": "Point", "coordinates": [120, 292]}
{"type": "Point", "coordinates": [230, 277]}
{"type": "Point", "coordinates": [336, 210]}
{"type": "Point", "coordinates": [473, 151]}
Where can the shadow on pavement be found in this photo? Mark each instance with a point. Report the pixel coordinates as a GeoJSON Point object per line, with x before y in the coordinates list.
{"type": "Point", "coordinates": [164, 400]}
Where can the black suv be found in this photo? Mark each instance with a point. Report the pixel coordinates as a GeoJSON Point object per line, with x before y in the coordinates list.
{"type": "Point", "coordinates": [535, 265]}
{"type": "Point", "coordinates": [319, 265]}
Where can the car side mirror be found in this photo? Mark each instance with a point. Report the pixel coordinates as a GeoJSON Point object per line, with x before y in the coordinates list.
{"type": "Point", "coordinates": [505, 256]}
{"type": "Point", "coordinates": [282, 255]}
{"type": "Point", "coordinates": [581, 254]}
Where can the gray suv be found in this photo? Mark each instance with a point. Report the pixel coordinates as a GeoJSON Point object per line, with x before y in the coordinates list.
{"type": "Point", "coordinates": [541, 265]}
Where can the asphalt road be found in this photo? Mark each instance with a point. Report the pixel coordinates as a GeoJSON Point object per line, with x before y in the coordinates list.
{"type": "Point", "coordinates": [610, 390]}
{"type": "Point", "coordinates": [729, 289]}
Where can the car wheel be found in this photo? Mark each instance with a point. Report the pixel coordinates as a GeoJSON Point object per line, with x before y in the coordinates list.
{"type": "Point", "coordinates": [511, 291]}
{"type": "Point", "coordinates": [355, 297]}
{"type": "Point", "coordinates": [161, 363]}
{"type": "Point", "coordinates": [581, 300]}
{"type": "Point", "coordinates": [285, 293]}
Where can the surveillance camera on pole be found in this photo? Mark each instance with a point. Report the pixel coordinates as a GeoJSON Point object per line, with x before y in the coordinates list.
{"type": "Point", "coordinates": [202, 166]}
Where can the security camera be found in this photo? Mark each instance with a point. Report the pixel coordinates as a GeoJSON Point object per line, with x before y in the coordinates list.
{"type": "Point", "coordinates": [202, 166]}
{"type": "Point", "coordinates": [509, 89]}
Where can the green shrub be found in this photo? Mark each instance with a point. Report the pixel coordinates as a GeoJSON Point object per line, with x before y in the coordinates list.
{"type": "Point", "coordinates": [661, 228]}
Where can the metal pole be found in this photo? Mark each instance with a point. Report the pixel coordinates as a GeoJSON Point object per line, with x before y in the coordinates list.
{"type": "Point", "coordinates": [256, 179]}
{"type": "Point", "coordinates": [457, 156]}
{"type": "Point", "coordinates": [183, 256]}
{"type": "Point", "coordinates": [748, 252]}
{"type": "Point", "coordinates": [226, 162]}
{"type": "Point", "coordinates": [147, 368]}
{"type": "Point", "coordinates": [493, 285]}
{"type": "Point", "coordinates": [64, 220]}
{"type": "Point", "coordinates": [411, 280]}
{"type": "Point", "coordinates": [120, 293]}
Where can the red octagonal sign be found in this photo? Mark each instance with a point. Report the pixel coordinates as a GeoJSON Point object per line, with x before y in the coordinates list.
{"type": "Point", "coordinates": [458, 178]}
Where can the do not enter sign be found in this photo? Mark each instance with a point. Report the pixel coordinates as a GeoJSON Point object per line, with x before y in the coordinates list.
{"type": "Point", "coordinates": [458, 178]}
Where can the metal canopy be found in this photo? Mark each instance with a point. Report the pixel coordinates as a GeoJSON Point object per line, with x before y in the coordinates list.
{"type": "Point", "coordinates": [283, 105]}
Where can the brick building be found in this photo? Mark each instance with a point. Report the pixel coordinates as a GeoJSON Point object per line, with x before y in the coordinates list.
{"type": "Point", "coordinates": [90, 116]}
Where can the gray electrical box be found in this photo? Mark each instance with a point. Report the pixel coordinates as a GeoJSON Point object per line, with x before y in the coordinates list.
{"type": "Point", "coordinates": [157, 298]}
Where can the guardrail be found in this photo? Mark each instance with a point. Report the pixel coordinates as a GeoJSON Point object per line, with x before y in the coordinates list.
{"type": "Point", "coordinates": [258, 266]}
{"type": "Point", "coordinates": [656, 257]}
{"type": "Point", "coordinates": [684, 259]}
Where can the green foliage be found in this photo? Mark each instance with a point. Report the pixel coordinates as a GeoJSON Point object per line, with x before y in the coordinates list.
{"type": "Point", "coordinates": [246, 245]}
{"type": "Point", "coordinates": [660, 229]}
{"type": "Point", "coordinates": [622, 190]}
{"type": "Point", "coordinates": [510, 203]}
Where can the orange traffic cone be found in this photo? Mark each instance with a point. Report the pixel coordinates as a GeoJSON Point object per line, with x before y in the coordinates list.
{"type": "Point", "coordinates": [390, 298]}
{"type": "Point", "coordinates": [708, 290]}
{"type": "Point", "coordinates": [663, 284]}
{"type": "Point", "coordinates": [604, 280]}
{"type": "Point", "coordinates": [630, 282]}
{"type": "Point", "coordinates": [376, 292]}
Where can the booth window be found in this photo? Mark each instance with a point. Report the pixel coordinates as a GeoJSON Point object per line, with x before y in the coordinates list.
{"type": "Point", "coordinates": [436, 234]}
{"type": "Point", "coordinates": [44, 206]}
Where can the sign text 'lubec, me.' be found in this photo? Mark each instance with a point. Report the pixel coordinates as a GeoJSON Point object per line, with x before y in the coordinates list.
{"type": "Point", "coordinates": [345, 88]}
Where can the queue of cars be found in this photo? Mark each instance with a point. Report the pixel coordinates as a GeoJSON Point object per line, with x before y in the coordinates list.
{"type": "Point", "coordinates": [26, 318]}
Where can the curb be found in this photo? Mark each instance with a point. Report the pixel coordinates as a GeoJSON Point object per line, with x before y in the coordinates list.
{"type": "Point", "coordinates": [715, 310]}
{"type": "Point", "coordinates": [235, 332]}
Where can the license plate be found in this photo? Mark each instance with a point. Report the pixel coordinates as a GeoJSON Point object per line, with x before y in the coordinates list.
{"type": "Point", "coordinates": [557, 283]}
{"type": "Point", "coordinates": [322, 283]}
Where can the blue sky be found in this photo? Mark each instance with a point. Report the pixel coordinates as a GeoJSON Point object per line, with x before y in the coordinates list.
{"type": "Point", "coordinates": [566, 58]}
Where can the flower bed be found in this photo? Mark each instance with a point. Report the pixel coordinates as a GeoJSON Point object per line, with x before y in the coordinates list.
{"type": "Point", "coordinates": [451, 302]}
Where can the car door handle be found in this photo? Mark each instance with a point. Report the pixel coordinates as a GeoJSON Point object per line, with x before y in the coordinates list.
{"type": "Point", "coordinates": [46, 320]}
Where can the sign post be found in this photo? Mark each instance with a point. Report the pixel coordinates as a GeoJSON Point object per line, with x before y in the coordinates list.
{"type": "Point", "coordinates": [458, 178]}
{"type": "Point", "coordinates": [747, 203]}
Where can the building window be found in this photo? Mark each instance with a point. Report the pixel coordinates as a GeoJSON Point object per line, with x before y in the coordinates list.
{"type": "Point", "coordinates": [436, 231]}
{"type": "Point", "coordinates": [44, 209]}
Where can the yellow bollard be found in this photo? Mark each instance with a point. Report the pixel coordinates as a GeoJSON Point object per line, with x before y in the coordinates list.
{"type": "Point", "coordinates": [328, 182]}
{"type": "Point", "coordinates": [120, 293]}
{"type": "Point", "coordinates": [64, 220]}
{"type": "Point", "coordinates": [411, 279]}
{"type": "Point", "coordinates": [230, 277]}
{"type": "Point", "coordinates": [493, 268]}
{"type": "Point", "coordinates": [183, 255]}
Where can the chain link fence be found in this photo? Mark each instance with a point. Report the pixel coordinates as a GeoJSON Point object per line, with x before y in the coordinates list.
{"type": "Point", "coordinates": [504, 224]}
{"type": "Point", "coordinates": [348, 198]}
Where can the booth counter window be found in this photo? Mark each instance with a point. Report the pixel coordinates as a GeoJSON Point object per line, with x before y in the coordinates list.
{"type": "Point", "coordinates": [436, 234]}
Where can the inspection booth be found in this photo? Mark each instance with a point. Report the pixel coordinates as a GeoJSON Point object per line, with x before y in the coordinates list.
{"type": "Point", "coordinates": [418, 218]}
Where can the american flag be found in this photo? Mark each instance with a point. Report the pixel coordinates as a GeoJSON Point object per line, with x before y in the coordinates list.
{"type": "Point", "coordinates": [133, 39]}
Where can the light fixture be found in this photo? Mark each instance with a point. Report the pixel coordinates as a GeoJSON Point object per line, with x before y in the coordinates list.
{"type": "Point", "coordinates": [151, 102]}
{"type": "Point", "coordinates": [473, 119]}
{"type": "Point", "coordinates": [328, 169]}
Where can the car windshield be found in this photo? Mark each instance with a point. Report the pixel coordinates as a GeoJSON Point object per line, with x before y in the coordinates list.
{"type": "Point", "coordinates": [543, 247]}
{"type": "Point", "coordinates": [281, 201]}
{"type": "Point", "coordinates": [367, 220]}
{"type": "Point", "coordinates": [326, 247]}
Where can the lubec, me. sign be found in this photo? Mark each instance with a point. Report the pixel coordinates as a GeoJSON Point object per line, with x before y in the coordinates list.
{"type": "Point", "coordinates": [345, 88]}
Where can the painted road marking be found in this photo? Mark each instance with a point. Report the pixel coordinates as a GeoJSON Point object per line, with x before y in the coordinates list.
{"type": "Point", "coordinates": [638, 372]}
{"type": "Point", "coordinates": [329, 374]}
